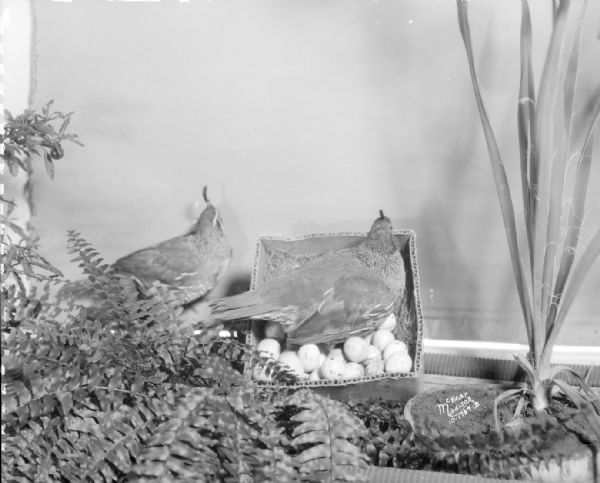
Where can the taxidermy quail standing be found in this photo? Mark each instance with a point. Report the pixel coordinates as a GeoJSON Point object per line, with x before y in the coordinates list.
{"type": "Point", "coordinates": [345, 292]}
{"type": "Point", "coordinates": [186, 267]}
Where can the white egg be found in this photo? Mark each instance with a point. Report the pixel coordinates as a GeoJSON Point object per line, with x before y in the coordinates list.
{"type": "Point", "coordinates": [398, 362]}
{"type": "Point", "coordinates": [355, 349]}
{"type": "Point", "coordinates": [260, 374]}
{"type": "Point", "coordinates": [389, 323]}
{"type": "Point", "coordinates": [314, 376]}
{"type": "Point", "coordinates": [382, 338]}
{"type": "Point", "coordinates": [309, 355]}
{"type": "Point", "coordinates": [274, 331]}
{"type": "Point", "coordinates": [393, 347]}
{"type": "Point", "coordinates": [338, 354]}
{"type": "Point", "coordinates": [292, 361]}
{"type": "Point", "coordinates": [372, 353]}
{"type": "Point", "coordinates": [374, 367]}
{"type": "Point", "coordinates": [333, 368]}
{"type": "Point", "coordinates": [352, 370]}
{"type": "Point", "coordinates": [269, 348]}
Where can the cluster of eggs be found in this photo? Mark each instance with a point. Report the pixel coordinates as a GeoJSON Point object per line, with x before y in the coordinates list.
{"type": "Point", "coordinates": [373, 355]}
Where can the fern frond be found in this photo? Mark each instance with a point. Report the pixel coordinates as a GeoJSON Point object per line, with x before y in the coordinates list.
{"type": "Point", "coordinates": [90, 438]}
{"type": "Point", "coordinates": [113, 397]}
{"type": "Point", "coordinates": [114, 439]}
{"type": "Point", "coordinates": [248, 358]}
{"type": "Point", "coordinates": [116, 297]}
{"type": "Point", "coordinates": [276, 464]}
{"type": "Point", "coordinates": [328, 432]}
{"type": "Point", "coordinates": [181, 447]}
{"type": "Point", "coordinates": [28, 455]}
{"type": "Point", "coordinates": [216, 370]}
{"type": "Point", "coordinates": [236, 448]}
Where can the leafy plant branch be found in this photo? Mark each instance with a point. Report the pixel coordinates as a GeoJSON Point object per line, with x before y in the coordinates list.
{"type": "Point", "coordinates": [35, 133]}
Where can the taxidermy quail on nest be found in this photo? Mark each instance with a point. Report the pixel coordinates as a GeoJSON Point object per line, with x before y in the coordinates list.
{"type": "Point", "coordinates": [343, 293]}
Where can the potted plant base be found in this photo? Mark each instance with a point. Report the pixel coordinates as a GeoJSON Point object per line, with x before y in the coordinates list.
{"type": "Point", "coordinates": [457, 424]}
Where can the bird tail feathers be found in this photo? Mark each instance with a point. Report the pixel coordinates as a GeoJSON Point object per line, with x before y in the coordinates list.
{"type": "Point", "coordinates": [242, 306]}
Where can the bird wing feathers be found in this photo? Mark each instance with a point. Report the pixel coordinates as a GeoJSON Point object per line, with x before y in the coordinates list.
{"type": "Point", "coordinates": [289, 299]}
{"type": "Point", "coordinates": [175, 262]}
{"type": "Point", "coordinates": [325, 300]}
{"type": "Point", "coordinates": [249, 305]}
{"type": "Point", "coordinates": [354, 305]}
{"type": "Point", "coordinates": [161, 262]}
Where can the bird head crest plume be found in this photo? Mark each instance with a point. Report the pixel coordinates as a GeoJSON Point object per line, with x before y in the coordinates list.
{"type": "Point", "coordinates": [210, 216]}
{"type": "Point", "coordinates": [381, 228]}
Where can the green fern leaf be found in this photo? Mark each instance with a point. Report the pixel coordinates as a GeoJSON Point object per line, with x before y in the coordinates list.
{"type": "Point", "coordinates": [180, 447]}
{"type": "Point", "coordinates": [326, 437]}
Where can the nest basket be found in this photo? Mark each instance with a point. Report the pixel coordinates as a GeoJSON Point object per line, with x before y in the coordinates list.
{"type": "Point", "coordinates": [276, 255]}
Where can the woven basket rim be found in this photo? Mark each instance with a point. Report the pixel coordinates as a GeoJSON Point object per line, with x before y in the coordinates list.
{"type": "Point", "coordinates": [362, 234]}
{"type": "Point", "coordinates": [345, 382]}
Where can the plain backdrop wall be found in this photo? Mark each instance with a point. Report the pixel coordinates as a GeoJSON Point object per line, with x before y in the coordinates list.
{"type": "Point", "coordinates": [15, 60]}
{"type": "Point", "coordinates": [301, 117]}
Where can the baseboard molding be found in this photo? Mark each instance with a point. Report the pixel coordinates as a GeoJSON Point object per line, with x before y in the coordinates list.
{"type": "Point", "coordinates": [562, 354]}
{"type": "Point", "coordinates": [494, 361]}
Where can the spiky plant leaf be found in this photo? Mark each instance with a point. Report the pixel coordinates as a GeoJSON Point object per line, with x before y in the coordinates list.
{"type": "Point", "coordinates": [578, 274]}
{"type": "Point", "coordinates": [526, 124]}
{"type": "Point", "coordinates": [576, 215]}
{"type": "Point", "coordinates": [510, 393]}
{"type": "Point", "coordinates": [551, 133]}
{"type": "Point", "coordinates": [545, 133]}
{"type": "Point", "coordinates": [502, 185]}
